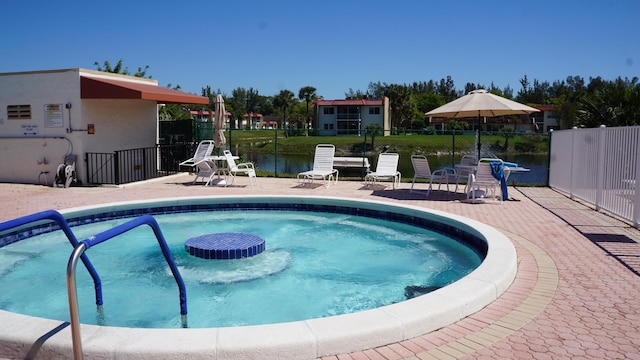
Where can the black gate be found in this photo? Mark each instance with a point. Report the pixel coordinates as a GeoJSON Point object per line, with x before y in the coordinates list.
{"type": "Point", "coordinates": [126, 166]}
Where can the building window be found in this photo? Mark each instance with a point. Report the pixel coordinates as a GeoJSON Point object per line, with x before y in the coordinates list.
{"type": "Point", "coordinates": [374, 110]}
{"type": "Point", "coordinates": [348, 112]}
{"type": "Point", "coordinates": [328, 111]}
{"type": "Point", "coordinates": [18, 112]}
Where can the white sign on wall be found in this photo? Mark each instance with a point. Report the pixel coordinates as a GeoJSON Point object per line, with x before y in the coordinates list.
{"type": "Point", "coordinates": [53, 115]}
{"type": "Point", "coordinates": [30, 129]}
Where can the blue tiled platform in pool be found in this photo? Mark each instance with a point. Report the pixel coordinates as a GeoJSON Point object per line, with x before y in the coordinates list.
{"type": "Point", "coordinates": [226, 245]}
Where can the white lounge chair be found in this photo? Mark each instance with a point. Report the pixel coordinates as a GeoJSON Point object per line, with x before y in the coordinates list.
{"type": "Point", "coordinates": [482, 183]}
{"type": "Point", "coordinates": [421, 170]}
{"type": "Point", "coordinates": [205, 168]}
{"type": "Point", "coordinates": [322, 166]}
{"type": "Point", "coordinates": [242, 168]}
{"type": "Point", "coordinates": [202, 151]}
{"type": "Point", "coordinates": [386, 168]}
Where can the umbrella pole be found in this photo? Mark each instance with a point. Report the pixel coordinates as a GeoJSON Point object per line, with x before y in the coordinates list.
{"type": "Point", "coordinates": [479, 143]}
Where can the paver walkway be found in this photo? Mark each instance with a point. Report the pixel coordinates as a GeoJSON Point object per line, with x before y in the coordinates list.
{"type": "Point", "coordinates": [575, 295]}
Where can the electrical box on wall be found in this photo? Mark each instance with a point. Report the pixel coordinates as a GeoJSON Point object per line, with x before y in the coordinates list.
{"type": "Point", "coordinates": [91, 129]}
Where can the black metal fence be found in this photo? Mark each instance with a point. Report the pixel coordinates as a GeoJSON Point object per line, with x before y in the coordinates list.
{"type": "Point", "coordinates": [278, 153]}
{"type": "Point", "coordinates": [184, 131]}
{"type": "Point", "coordinates": [126, 166]}
{"type": "Point", "coordinates": [281, 154]}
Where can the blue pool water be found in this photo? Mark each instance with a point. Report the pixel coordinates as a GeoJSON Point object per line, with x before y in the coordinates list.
{"type": "Point", "coordinates": [314, 265]}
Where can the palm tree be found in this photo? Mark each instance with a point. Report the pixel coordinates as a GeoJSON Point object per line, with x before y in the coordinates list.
{"type": "Point", "coordinates": [307, 93]}
{"type": "Point", "coordinates": [283, 101]}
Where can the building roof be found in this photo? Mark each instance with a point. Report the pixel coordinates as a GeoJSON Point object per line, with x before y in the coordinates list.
{"type": "Point", "coordinates": [101, 88]}
{"type": "Point", "coordinates": [206, 112]}
{"type": "Point", "coordinates": [352, 102]}
{"type": "Point", "coordinates": [547, 107]}
{"type": "Point", "coordinates": [103, 85]}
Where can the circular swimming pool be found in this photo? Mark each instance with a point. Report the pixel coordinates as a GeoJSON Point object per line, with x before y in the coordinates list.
{"type": "Point", "coordinates": [318, 336]}
{"type": "Point", "coordinates": [316, 264]}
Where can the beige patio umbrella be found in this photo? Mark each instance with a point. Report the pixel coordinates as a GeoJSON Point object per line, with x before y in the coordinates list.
{"type": "Point", "coordinates": [480, 103]}
{"type": "Point", "coordinates": [218, 121]}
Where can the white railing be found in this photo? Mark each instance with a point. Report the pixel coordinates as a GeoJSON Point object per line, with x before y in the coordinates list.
{"type": "Point", "coordinates": [599, 166]}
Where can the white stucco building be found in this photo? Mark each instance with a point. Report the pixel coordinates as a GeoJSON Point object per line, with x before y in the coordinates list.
{"type": "Point", "coordinates": [352, 116]}
{"type": "Point", "coordinates": [46, 116]}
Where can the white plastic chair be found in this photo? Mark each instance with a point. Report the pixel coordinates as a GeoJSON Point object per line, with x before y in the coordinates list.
{"type": "Point", "coordinates": [322, 166]}
{"type": "Point", "coordinates": [483, 182]}
{"type": "Point", "coordinates": [421, 170]}
{"type": "Point", "coordinates": [202, 151]}
{"type": "Point", "coordinates": [205, 168]}
{"type": "Point", "coordinates": [386, 168]}
{"type": "Point", "coordinates": [242, 168]}
{"type": "Point", "coordinates": [464, 168]}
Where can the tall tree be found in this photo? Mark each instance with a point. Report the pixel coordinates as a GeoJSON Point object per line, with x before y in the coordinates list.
{"type": "Point", "coordinates": [424, 87]}
{"type": "Point", "coordinates": [447, 89]}
{"type": "Point", "coordinates": [401, 108]}
{"type": "Point", "coordinates": [238, 104]}
{"type": "Point", "coordinates": [427, 101]}
{"type": "Point", "coordinates": [206, 91]}
{"type": "Point", "coordinates": [253, 101]}
{"type": "Point", "coordinates": [356, 94]}
{"type": "Point", "coordinates": [119, 69]}
{"type": "Point", "coordinates": [376, 90]}
{"type": "Point", "coordinates": [567, 96]}
{"type": "Point", "coordinates": [283, 101]}
{"type": "Point", "coordinates": [471, 87]}
{"type": "Point", "coordinates": [307, 94]}
{"type": "Point", "coordinates": [613, 103]}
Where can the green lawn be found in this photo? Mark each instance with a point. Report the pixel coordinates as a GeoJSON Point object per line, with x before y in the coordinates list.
{"type": "Point", "coordinates": [265, 141]}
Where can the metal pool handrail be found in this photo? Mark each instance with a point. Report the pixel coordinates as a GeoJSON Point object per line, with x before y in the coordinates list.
{"type": "Point", "coordinates": [64, 226]}
{"type": "Point", "coordinates": [84, 245]}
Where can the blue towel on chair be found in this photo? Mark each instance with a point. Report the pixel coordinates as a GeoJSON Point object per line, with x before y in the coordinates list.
{"type": "Point", "coordinates": [497, 170]}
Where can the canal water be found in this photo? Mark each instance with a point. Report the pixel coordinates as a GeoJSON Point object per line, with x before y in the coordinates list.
{"type": "Point", "coordinates": [294, 164]}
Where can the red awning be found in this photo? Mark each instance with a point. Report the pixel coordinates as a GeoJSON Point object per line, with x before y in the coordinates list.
{"type": "Point", "coordinates": [93, 88]}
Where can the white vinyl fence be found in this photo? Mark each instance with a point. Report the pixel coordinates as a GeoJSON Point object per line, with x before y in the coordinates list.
{"type": "Point", "coordinates": [599, 166]}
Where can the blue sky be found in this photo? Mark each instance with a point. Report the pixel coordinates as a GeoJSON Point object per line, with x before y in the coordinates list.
{"type": "Point", "coordinates": [331, 45]}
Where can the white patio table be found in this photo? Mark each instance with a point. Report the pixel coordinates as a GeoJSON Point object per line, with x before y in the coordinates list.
{"type": "Point", "coordinates": [221, 169]}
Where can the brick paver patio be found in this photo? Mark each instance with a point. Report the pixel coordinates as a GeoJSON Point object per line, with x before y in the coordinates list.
{"type": "Point", "coordinates": [575, 295]}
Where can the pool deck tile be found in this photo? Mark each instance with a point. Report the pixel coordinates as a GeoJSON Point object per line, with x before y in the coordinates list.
{"type": "Point", "coordinates": [575, 294]}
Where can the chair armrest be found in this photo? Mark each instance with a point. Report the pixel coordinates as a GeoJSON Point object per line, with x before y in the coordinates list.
{"type": "Point", "coordinates": [188, 162]}
{"type": "Point", "coordinates": [441, 172]}
{"type": "Point", "coordinates": [245, 165]}
{"type": "Point", "coordinates": [200, 161]}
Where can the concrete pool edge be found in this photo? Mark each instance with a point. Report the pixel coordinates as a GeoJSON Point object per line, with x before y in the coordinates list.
{"type": "Point", "coordinates": [302, 339]}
